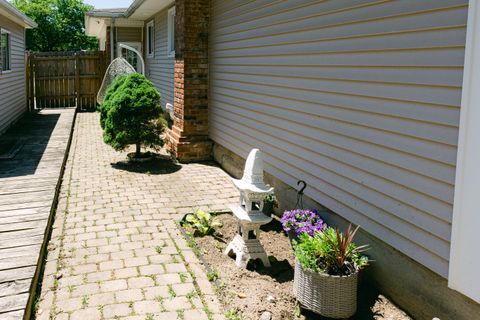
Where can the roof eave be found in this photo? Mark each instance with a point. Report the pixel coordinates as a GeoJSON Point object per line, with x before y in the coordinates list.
{"type": "Point", "coordinates": [16, 15]}
{"type": "Point", "coordinates": [105, 14]}
{"type": "Point", "coordinates": [133, 7]}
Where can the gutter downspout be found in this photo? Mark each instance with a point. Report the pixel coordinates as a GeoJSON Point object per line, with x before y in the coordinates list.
{"type": "Point", "coordinates": [112, 45]}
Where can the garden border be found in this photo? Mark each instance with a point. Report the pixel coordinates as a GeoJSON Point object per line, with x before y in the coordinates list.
{"type": "Point", "coordinates": [192, 244]}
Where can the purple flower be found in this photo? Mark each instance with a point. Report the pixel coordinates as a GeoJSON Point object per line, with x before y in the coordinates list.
{"type": "Point", "coordinates": [298, 221]}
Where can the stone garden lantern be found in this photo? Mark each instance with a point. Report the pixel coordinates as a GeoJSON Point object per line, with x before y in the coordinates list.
{"type": "Point", "coordinates": [245, 245]}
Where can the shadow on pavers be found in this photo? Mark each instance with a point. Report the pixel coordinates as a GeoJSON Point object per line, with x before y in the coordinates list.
{"type": "Point", "coordinates": [155, 166]}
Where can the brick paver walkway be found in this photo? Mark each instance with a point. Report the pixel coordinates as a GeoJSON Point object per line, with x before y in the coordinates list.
{"type": "Point", "coordinates": [115, 251]}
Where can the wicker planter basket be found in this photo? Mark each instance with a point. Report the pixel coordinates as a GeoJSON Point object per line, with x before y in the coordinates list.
{"type": "Point", "coordinates": [329, 296]}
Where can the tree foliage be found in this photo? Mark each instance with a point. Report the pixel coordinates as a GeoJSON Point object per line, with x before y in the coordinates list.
{"type": "Point", "coordinates": [61, 25]}
{"type": "Point", "coordinates": [131, 114]}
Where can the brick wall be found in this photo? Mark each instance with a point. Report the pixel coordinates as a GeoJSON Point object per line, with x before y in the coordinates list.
{"type": "Point", "coordinates": [188, 139]}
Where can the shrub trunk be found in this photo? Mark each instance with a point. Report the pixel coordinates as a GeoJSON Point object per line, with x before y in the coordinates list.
{"type": "Point", "coordinates": [138, 150]}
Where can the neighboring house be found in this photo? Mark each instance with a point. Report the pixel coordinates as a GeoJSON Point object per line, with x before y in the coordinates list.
{"type": "Point", "coordinates": [145, 26]}
{"type": "Point", "coordinates": [12, 64]}
{"type": "Point", "coordinates": [366, 101]}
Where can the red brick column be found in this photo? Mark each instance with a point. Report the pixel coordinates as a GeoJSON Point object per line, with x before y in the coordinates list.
{"type": "Point", "coordinates": [188, 139]}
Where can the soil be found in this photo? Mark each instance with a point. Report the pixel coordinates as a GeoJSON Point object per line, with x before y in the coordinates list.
{"type": "Point", "coordinates": [250, 291]}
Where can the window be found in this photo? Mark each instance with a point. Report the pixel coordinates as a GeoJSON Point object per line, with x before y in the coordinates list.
{"type": "Point", "coordinates": [129, 55]}
{"type": "Point", "coordinates": [171, 33]}
{"type": "Point", "coordinates": [150, 39]}
{"type": "Point", "coordinates": [5, 50]}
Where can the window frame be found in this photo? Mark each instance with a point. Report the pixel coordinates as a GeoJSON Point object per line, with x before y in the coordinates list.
{"type": "Point", "coordinates": [171, 33]}
{"type": "Point", "coordinates": [150, 45]}
{"type": "Point", "coordinates": [9, 51]}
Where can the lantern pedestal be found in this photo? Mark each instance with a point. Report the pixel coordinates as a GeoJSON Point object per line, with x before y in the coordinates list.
{"type": "Point", "coordinates": [246, 245]}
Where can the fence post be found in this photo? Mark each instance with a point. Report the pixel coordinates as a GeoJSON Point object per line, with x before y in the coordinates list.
{"type": "Point", "coordinates": [77, 79]}
{"type": "Point", "coordinates": [29, 82]}
{"type": "Point", "coordinates": [32, 81]}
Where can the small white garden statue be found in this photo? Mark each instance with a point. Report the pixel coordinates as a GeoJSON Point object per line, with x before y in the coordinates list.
{"type": "Point", "coordinates": [245, 245]}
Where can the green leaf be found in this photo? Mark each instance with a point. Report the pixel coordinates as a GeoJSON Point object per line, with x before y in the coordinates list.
{"type": "Point", "coordinates": [201, 214]}
{"type": "Point", "coordinates": [190, 218]}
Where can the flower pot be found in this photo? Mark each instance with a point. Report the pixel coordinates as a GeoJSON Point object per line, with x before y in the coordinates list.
{"type": "Point", "coordinates": [329, 296]}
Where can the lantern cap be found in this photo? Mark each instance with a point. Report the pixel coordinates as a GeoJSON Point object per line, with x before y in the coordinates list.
{"type": "Point", "coordinates": [252, 179]}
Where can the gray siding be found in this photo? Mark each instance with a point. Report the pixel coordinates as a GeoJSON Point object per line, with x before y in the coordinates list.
{"type": "Point", "coordinates": [160, 67]}
{"type": "Point", "coordinates": [125, 34]}
{"type": "Point", "coordinates": [12, 83]}
{"type": "Point", "coordinates": [359, 98]}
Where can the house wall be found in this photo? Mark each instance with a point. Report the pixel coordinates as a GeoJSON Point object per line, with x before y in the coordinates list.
{"type": "Point", "coordinates": [358, 98]}
{"type": "Point", "coordinates": [187, 139]}
{"type": "Point", "coordinates": [160, 68]}
{"type": "Point", "coordinates": [125, 34]}
{"type": "Point", "coordinates": [12, 83]}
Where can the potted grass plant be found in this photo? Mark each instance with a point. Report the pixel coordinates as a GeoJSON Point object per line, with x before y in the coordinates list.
{"type": "Point", "coordinates": [326, 272]}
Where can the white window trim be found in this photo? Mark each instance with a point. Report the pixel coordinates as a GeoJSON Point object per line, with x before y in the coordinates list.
{"type": "Point", "coordinates": [464, 259]}
{"type": "Point", "coordinates": [152, 54]}
{"type": "Point", "coordinates": [5, 31]}
{"type": "Point", "coordinates": [171, 33]}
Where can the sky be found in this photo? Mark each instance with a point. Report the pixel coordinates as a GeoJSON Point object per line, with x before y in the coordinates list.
{"type": "Point", "coordinates": [99, 4]}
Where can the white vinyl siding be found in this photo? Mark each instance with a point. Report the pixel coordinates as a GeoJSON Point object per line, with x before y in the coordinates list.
{"type": "Point", "coordinates": [359, 98]}
{"type": "Point", "coordinates": [12, 82]}
{"type": "Point", "coordinates": [160, 67]}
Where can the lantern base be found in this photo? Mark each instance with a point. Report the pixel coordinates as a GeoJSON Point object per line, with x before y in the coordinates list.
{"type": "Point", "coordinates": [244, 250]}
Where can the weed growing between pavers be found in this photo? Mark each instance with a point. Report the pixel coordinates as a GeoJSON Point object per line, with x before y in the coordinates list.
{"type": "Point", "coordinates": [171, 292]}
{"type": "Point", "coordinates": [197, 287]}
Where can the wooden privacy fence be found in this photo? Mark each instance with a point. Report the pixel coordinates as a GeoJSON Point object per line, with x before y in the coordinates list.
{"type": "Point", "coordinates": [64, 79]}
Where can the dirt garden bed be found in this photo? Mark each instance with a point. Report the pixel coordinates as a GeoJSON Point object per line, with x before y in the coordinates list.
{"type": "Point", "coordinates": [256, 291]}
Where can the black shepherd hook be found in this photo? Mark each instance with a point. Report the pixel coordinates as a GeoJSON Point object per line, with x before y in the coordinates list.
{"type": "Point", "coordinates": [299, 204]}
